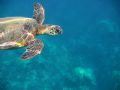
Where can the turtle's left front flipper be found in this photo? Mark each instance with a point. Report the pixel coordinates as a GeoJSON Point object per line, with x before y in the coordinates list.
{"type": "Point", "coordinates": [34, 48]}
{"type": "Point", "coordinates": [39, 13]}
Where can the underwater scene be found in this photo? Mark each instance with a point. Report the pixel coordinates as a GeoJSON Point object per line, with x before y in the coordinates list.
{"type": "Point", "coordinates": [86, 56]}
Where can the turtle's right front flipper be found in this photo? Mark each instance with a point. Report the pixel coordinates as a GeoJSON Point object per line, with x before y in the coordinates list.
{"type": "Point", "coordinates": [34, 47]}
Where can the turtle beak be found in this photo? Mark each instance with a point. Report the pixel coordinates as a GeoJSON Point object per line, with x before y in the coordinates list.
{"type": "Point", "coordinates": [58, 29]}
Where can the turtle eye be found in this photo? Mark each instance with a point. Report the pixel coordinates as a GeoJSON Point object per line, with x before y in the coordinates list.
{"type": "Point", "coordinates": [52, 31]}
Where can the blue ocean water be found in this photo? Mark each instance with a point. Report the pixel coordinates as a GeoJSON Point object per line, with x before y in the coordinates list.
{"type": "Point", "coordinates": [85, 57]}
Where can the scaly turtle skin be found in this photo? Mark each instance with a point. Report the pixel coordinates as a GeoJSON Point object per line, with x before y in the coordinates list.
{"type": "Point", "coordinates": [21, 31]}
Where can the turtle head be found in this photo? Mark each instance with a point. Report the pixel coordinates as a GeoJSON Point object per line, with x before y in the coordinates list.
{"type": "Point", "coordinates": [54, 30]}
{"type": "Point", "coordinates": [50, 29]}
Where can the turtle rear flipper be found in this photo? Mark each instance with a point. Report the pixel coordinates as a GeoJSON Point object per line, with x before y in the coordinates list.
{"type": "Point", "coordinates": [34, 48]}
{"type": "Point", "coordinates": [39, 14]}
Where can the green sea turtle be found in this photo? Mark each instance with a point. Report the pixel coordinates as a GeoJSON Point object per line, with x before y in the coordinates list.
{"type": "Point", "coordinates": [21, 31]}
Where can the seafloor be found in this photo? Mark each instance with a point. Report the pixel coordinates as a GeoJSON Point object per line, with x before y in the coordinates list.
{"type": "Point", "coordinates": [85, 57]}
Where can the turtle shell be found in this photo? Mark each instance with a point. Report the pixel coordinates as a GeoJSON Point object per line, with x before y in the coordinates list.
{"type": "Point", "coordinates": [13, 28]}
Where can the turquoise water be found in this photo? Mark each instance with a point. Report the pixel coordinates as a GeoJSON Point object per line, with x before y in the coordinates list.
{"type": "Point", "coordinates": [85, 57]}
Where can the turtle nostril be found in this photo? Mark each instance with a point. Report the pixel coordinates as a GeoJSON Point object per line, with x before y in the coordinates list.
{"type": "Point", "coordinates": [59, 30]}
